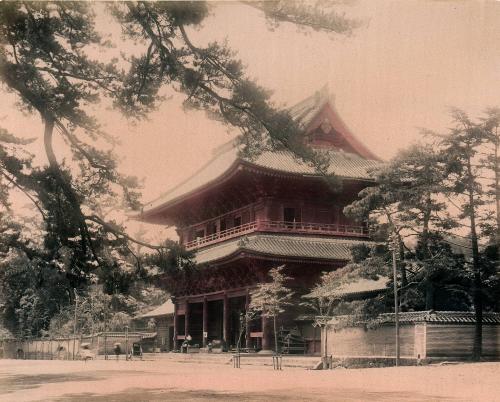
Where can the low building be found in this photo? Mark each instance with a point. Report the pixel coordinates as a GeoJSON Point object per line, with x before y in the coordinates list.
{"type": "Point", "coordinates": [164, 320]}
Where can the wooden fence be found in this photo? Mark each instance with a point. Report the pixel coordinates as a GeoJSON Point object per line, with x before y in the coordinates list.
{"type": "Point", "coordinates": [69, 348]}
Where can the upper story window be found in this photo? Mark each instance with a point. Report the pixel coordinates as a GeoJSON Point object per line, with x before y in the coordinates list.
{"type": "Point", "coordinates": [223, 224]}
{"type": "Point", "coordinates": [291, 214]}
{"type": "Point", "coordinates": [237, 220]}
{"type": "Point", "coordinates": [211, 228]}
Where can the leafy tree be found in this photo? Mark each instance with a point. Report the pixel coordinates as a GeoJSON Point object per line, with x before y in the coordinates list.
{"type": "Point", "coordinates": [327, 300]}
{"type": "Point", "coordinates": [436, 262]}
{"type": "Point", "coordinates": [33, 291]}
{"type": "Point", "coordinates": [490, 124]}
{"type": "Point", "coordinates": [212, 77]}
{"type": "Point", "coordinates": [432, 193]}
{"type": "Point", "coordinates": [368, 263]}
{"type": "Point", "coordinates": [462, 147]}
{"type": "Point", "coordinates": [45, 61]}
{"type": "Point", "coordinates": [406, 201]}
{"type": "Point", "coordinates": [318, 15]}
{"type": "Point", "coordinates": [269, 299]}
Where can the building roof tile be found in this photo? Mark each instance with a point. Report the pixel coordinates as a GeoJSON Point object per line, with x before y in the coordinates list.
{"type": "Point", "coordinates": [441, 317]}
{"type": "Point", "coordinates": [343, 164]}
{"type": "Point", "coordinates": [166, 308]}
{"type": "Point", "coordinates": [281, 246]}
{"type": "Point", "coordinates": [363, 285]}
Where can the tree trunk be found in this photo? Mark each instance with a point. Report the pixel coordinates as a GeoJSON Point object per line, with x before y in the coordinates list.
{"type": "Point", "coordinates": [496, 167]}
{"type": "Point", "coordinates": [325, 349]}
{"type": "Point", "coordinates": [276, 351]}
{"type": "Point", "coordinates": [396, 304]}
{"type": "Point", "coordinates": [47, 142]}
{"type": "Point", "coordinates": [429, 296]}
{"type": "Point", "coordinates": [477, 282]}
{"type": "Point", "coordinates": [402, 267]}
{"type": "Point", "coordinates": [65, 186]}
{"type": "Point", "coordinates": [429, 287]}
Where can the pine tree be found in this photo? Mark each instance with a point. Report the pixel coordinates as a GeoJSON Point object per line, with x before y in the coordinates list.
{"type": "Point", "coordinates": [461, 148]}
{"type": "Point", "coordinates": [406, 201]}
{"type": "Point", "coordinates": [45, 61]}
{"type": "Point", "coordinates": [491, 161]}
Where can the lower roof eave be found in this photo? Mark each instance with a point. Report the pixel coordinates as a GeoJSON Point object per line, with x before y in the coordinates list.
{"type": "Point", "coordinates": [274, 257]}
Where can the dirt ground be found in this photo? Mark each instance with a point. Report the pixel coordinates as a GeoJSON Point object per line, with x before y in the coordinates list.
{"type": "Point", "coordinates": [37, 380]}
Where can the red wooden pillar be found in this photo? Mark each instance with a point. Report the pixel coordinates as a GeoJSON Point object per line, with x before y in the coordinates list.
{"type": "Point", "coordinates": [225, 320]}
{"type": "Point", "coordinates": [176, 329]}
{"type": "Point", "coordinates": [186, 319]}
{"type": "Point", "coordinates": [205, 322]}
{"type": "Point", "coordinates": [248, 340]}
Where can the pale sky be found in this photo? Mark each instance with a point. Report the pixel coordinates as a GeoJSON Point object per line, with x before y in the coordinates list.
{"type": "Point", "coordinates": [411, 62]}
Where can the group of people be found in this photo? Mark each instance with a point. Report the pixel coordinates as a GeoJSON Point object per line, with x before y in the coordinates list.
{"type": "Point", "coordinates": [136, 351]}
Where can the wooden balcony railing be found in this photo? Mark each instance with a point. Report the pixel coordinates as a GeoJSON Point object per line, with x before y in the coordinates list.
{"type": "Point", "coordinates": [279, 227]}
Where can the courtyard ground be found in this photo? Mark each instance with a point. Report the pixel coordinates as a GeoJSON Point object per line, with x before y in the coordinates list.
{"type": "Point", "coordinates": [38, 380]}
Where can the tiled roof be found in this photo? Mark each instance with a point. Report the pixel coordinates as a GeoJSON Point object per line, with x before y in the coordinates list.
{"type": "Point", "coordinates": [343, 164]}
{"type": "Point", "coordinates": [441, 317]}
{"type": "Point", "coordinates": [306, 110]}
{"type": "Point", "coordinates": [281, 246]}
{"type": "Point", "coordinates": [164, 309]}
{"type": "Point", "coordinates": [363, 285]}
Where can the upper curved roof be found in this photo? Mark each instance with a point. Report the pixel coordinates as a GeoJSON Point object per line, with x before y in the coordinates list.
{"type": "Point", "coordinates": [343, 164]}
{"type": "Point", "coordinates": [310, 112]}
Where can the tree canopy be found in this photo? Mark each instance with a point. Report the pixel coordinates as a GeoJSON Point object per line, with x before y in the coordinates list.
{"type": "Point", "coordinates": [48, 61]}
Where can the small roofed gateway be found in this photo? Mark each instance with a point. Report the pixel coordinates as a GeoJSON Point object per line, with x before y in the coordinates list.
{"type": "Point", "coordinates": [243, 217]}
{"type": "Point", "coordinates": [164, 319]}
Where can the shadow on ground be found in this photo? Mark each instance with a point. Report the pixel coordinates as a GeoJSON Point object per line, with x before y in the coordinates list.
{"type": "Point", "coordinates": [19, 382]}
{"type": "Point", "coordinates": [13, 383]}
{"type": "Point", "coordinates": [133, 395]}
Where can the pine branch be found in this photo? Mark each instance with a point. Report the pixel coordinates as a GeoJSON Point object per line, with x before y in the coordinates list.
{"type": "Point", "coordinates": [25, 192]}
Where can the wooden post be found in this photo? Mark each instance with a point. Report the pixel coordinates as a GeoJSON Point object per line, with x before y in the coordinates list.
{"type": "Point", "coordinates": [105, 329]}
{"type": "Point", "coordinates": [396, 303]}
{"type": "Point", "coordinates": [205, 322]}
{"type": "Point", "coordinates": [186, 320]}
{"type": "Point", "coordinates": [126, 342]}
{"type": "Point", "coordinates": [225, 320]}
{"type": "Point", "coordinates": [97, 346]}
{"type": "Point", "coordinates": [174, 343]}
{"type": "Point", "coordinates": [248, 340]}
{"type": "Point", "coordinates": [74, 323]}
